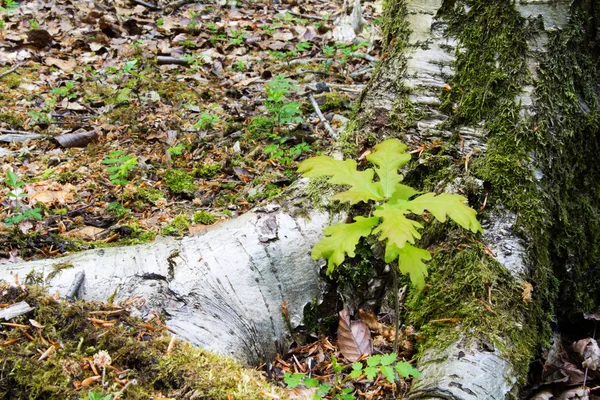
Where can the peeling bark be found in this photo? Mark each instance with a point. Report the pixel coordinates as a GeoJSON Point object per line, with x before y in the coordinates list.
{"type": "Point", "coordinates": [222, 289]}
{"type": "Point", "coordinates": [413, 96]}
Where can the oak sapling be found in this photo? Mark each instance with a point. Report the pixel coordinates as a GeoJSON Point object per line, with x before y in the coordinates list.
{"type": "Point", "coordinates": [393, 202]}
{"type": "Point", "coordinates": [19, 213]}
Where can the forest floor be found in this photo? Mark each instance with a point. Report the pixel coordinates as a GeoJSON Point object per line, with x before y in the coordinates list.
{"type": "Point", "coordinates": [121, 121]}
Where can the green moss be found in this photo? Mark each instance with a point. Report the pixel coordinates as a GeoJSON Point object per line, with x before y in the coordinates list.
{"type": "Point", "coordinates": [204, 218]}
{"type": "Point", "coordinates": [260, 128]}
{"type": "Point", "coordinates": [57, 268]}
{"type": "Point", "coordinates": [179, 182]}
{"type": "Point", "coordinates": [149, 195]}
{"type": "Point", "coordinates": [182, 372]}
{"type": "Point", "coordinates": [12, 80]}
{"type": "Point", "coordinates": [177, 226]}
{"type": "Point", "coordinates": [206, 171]}
{"type": "Point", "coordinates": [12, 120]}
{"type": "Point", "coordinates": [458, 283]}
{"type": "Point", "coordinates": [335, 101]}
{"type": "Point", "coordinates": [68, 177]}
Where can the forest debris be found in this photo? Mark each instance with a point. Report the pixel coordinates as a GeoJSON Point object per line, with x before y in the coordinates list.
{"type": "Point", "coordinates": [15, 310]}
{"type": "Point", "coordinates": [590, 352]}
{"type": "Point", "coordinates": [354, 337]}
{"type": "Point", "coordinates": [74, 289]}
{"type": "Point", "coordinates": [77, 139]}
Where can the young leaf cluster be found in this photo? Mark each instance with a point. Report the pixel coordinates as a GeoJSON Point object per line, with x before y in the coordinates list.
{"type": "Point", "coordinates": [12, 181]}
{"type": "Point", "coordinates": [386, 365]}
{"type": "Point", "coordinates": [282, 110]}
{"type": "Point", "coordinates": [121, 165]}
{"type": "Point", "coordinates": [394, 204]}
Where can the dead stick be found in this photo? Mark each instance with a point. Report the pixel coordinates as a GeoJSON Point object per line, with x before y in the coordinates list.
{"type": "Point", "coordinates": [176, 4]}
{"type": "Point", "coordinates": [13, 69]}
{"type": "Point", "coordinates": [164, 60]}
{"type": "Point", "coordinates": [148, 5]}
{"type": "Point", "coordinates": [312, 100]}
{"type": "Point", "coordinates": [13, 132]}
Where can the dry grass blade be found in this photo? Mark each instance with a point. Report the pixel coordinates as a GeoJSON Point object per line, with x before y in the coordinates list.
{"type": "Point", "coordinates": [354, 337]}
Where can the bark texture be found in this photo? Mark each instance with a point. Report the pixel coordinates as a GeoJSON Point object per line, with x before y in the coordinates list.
{"type": "Point", "coordinates": [500, 96]}
{"type": "Point", "coordinates": [222, 290]}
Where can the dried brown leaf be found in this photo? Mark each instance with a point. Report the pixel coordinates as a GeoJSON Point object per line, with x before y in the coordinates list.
{"type": "Point", "coordinates": [354, 337]}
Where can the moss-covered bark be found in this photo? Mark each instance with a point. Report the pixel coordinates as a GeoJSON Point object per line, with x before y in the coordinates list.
{"type": "Point", "coordinates": [530, 93]}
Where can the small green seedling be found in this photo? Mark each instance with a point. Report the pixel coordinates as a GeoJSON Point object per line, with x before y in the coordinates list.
{"type": "Point", "coordinates": [65, 91]}
{"type": "Point", "coordinates": [14, 183]}
{"type": "Point", "coordinates": [9, 6]}
{"type": "Point", "coordinates": [393, 202]}
{"type": "Point", "coordinates": [384, 365]}
{"type": "Point", "coordinates": [97, 396]}
{"type": "Point", "coordinates": [280, 108]}
{"type": "Point", "coordinates": [206, 121]}
{"type": "Point", "coordinates": [121, 165]}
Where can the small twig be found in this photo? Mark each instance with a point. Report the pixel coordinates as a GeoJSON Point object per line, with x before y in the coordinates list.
{"type": "Point", "coordinates": [365, 56]}
{"type": "Point", "coordinates": [176, 4]}
{"type": "Point", "coordinates": [312, 100]}
{"type": "Point", "coordinates": [306, 16]}
{"type": "Point", "coordinates": [166, 60]}
{"type": "Point", "coordinates": [148, 5]}
{"type": "Point", "coordinates": [361, 71]}
{"type": "Point", "coordinates": [120, 392]}
{"type": "Point", "coordinates": [10, 71]}
{"type": "Point", "coordinates": [13, 132]}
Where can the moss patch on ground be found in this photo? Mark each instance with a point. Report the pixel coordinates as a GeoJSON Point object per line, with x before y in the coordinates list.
{"type": "Point", "coordinates": [139, 350]}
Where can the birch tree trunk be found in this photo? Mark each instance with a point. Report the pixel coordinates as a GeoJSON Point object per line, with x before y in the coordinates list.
{"type": "Point", "coordinates": [500, 99]}
{"type": "Point", "coordinates": [223, 289]}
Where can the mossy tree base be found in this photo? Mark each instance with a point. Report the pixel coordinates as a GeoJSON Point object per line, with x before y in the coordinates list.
{"type": "Point", "coordinates": [500, 104]}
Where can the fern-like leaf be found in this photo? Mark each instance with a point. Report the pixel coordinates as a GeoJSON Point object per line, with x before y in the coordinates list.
{"type": "Point", "coordinates": [410, 262]}
{"type": "Point", "coordinates": [341, 239]}
{"type": "Point", "coordinates": [446, 205]}
{"type": "Point", "coordinates": [395, 227]}
{"type": "Point", "coordinates": [362, 187]}
{"type": "Point", "coordinates": [389, 156]}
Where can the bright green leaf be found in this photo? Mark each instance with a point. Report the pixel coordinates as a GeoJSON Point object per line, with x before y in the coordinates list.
{"type": "Point", "coordinates": [374, 360]}
{"type": "Point", "coordinates": [341, 239]}
{"type": "Point", "coordinates": [388, 372]}
{"type": "Point", "coordinates": [389, 156]}
{"type": "Point", "coordinates": [292, 380]}
{"type": "Point", "coordinates": [388, 359]}
{"type": "Point", "coordinates": [371, 372]}
{"type": "Point", "coordinates": [324, 389]}
{"type": "Point", "coordinates": [337, 367]}
{"type": "Point", "coordinates": [406, 370]}
{"type": "Point", "coordinates": [310, 382]}
{"type": "Point", "coordinates": [402, 192]}
{"type": "Point", "coordinates": [362, 187]}
{"type": "Point", "coordinates": [446, 204]}
{"type": "Point", "coordinates": [355, 373]}
{"type": "Point", "coordinates": [396, 228]}
{"type": "Point", "coordinates": [409, 262]}
{"type": "Point", "coordinates": [357, 366]}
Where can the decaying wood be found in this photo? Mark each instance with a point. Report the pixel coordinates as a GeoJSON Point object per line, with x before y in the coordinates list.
{"type": "Point", "coordinates": [15, 310]}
